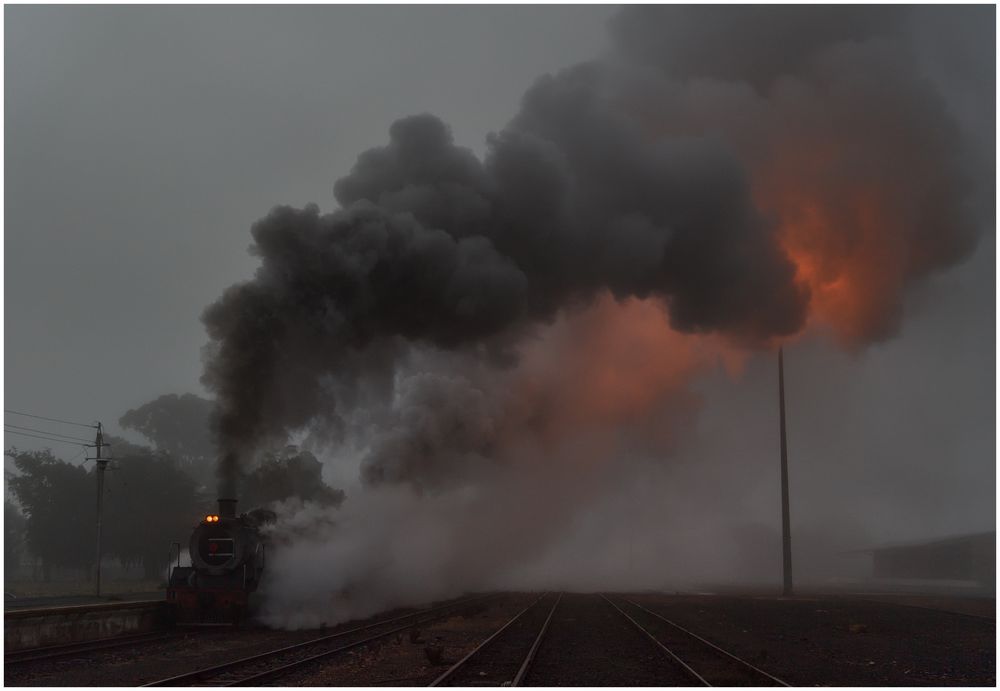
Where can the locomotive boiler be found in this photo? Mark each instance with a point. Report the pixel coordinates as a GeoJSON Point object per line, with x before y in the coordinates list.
{"type": "Point", "coordinates": [227, 563]}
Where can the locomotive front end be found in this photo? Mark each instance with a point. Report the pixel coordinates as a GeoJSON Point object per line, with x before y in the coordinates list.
{"type": "Point", "coordinates": [227, 562]}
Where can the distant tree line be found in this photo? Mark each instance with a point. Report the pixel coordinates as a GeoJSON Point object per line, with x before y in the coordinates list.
{"type": "Point", "coordinates": [154, 495]}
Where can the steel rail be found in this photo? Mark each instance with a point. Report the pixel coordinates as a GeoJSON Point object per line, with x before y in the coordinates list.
{"type": "Point", "coordinates": [215, 670]}
{"type": "Point", "coordinates": [687, 668]}
{"type": "Point", "coordinates": [56, 651]}
{"type": "Point", "coordinates": [455, 667]}
{"type": "Point", "coordinates": [255, 679]}
{"type": "Point", "coordinates": [523, 671]}
{"type": "Point", "coordinates": [711, 645]}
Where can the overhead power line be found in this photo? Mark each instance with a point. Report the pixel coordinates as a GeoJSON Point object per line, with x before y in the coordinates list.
{"type": "Point", "coordinates": [50, 419]}
{"type": "Point", "coordinates": [46, 432]}
{"type": "Point", "coordinates": [36, 436]}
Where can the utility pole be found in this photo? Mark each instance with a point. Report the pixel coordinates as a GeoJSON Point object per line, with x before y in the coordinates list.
{"type": "Point", "coordinates": [102, 465]}
{"type": "Point", "coordinates": [786, 537]}
{"type": "Point", "coordinates": [631, 540]}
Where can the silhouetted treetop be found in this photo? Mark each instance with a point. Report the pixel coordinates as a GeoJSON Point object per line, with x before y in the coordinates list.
{"type": "Point", "coordinates": [176, 424]}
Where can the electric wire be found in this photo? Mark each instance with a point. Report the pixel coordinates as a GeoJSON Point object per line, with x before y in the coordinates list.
{"type": "Point", "coordinates": [50, 419]}
{"type": "Point", "coordinates": [78, 453]}
{"type": "Point", "coordinates": [48, 435]}
{"type": "Point", "coordinates": [45, 431]}
{"type": "Point", "coordinates": [35, 436]}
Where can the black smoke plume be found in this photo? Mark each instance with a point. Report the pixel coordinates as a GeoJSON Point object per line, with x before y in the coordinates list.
{"type": "Point", "coordinates": [633, 175]}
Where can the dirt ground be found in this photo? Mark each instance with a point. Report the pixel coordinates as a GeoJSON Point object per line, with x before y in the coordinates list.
{"type": "Point", "coordinates": [975, 606]}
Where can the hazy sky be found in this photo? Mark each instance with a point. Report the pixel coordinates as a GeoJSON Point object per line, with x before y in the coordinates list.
{"type": "Point", "coordinates": [142, 143]}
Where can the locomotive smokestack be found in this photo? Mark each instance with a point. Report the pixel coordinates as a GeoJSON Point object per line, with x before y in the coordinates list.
{"type": "Point", "coordinates": [227, 508]}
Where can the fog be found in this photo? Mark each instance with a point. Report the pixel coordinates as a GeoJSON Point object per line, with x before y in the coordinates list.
{"type": "Point", "coordinates": [603, 420]}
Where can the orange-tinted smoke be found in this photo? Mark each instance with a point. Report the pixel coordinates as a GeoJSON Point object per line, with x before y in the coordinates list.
{"type": "Point", "coordinates": [861, 168]}
{"type": "Point", "coordinates": [848, 250]}
{"type": "Point", "coordinates": [615, 373]}
{"type": "Point", "coordinates": [862, 214]}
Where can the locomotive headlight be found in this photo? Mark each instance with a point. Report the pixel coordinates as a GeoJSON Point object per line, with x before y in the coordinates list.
{"type": "Point", "coordinates": [211, 518]}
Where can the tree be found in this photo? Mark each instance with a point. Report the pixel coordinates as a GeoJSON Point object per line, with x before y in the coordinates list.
{"type": "Point", "coordinates": [290, 473]}
{"type": "Point", "coordinates": [13, 537]}
{"type": "Point", "coordinates": [150, 503]}
{"type": "Point", "coordinates": [181, 427]}
{"type": "Point", "coordinates": [59, 504]}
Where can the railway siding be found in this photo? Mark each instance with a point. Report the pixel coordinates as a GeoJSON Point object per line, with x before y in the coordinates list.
{"type": "Point", "coordinates": [709, 663]}
{"type": "Point", "coordinates": [835, 641]}
{"type": "Point", "coordinates": [589, 643]}
{"type": "Point", "coordinates": [419, 658]}
{"type": "Point", "coordinates": [804, 640]}
{"type": "Point", "coordinates": [502, 659]}
{"type": "Point", "coordinates": [277, 664]}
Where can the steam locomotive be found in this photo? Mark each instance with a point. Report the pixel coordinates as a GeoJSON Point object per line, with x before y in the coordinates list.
{"type": "Point", "coordinates": [227, 563]}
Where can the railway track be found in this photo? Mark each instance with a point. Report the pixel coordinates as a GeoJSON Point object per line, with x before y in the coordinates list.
{"type": "Point", "coordinates": [705, 663]}
{"type": "Point", "coordinates": [256, 670]}
{"type": "Point", "coordinates": [53, 652]}
{"type": "Point", "coordinates": [504, 658]}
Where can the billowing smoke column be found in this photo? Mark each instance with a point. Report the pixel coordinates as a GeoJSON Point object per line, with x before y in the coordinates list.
{"type": "Point", "coordinates": [849, 148]}
{"type": "Point", "coordinates": [749, 170]}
